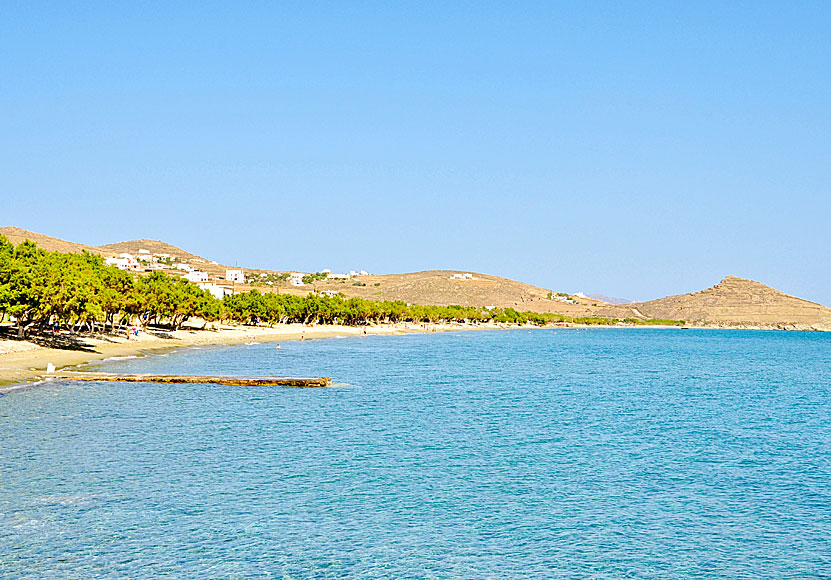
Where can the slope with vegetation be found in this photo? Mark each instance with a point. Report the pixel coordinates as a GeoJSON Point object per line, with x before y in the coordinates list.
{"type": "Point", "coordinates": [439, 287]}
{"type": "Point", "coordinates": [733, 302]}
{"type": "Point", "coordinates": [41, 290]}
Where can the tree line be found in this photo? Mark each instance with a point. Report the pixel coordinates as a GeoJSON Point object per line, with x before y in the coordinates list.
{"type": "Point", "coordinates": [40, 289]}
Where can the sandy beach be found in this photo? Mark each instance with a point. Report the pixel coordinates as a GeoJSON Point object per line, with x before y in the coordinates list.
{"type": "Point", "coordinates": [25, 362]}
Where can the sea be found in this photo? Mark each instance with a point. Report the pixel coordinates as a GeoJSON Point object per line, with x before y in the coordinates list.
{"type": "Point", "coordinates": [550, 453]}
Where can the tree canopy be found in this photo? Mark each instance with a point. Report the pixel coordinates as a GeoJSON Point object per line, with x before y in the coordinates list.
{"type": "Point", "coordinates": [39, 288]}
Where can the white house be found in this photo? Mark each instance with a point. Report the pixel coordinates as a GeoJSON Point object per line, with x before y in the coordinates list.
{"type": "Point", "coordinates": [461, 277]}
{"type": "Point", "coordinates": [331, 276]}
{"type": "Point", "coordinates": [120, 263]}
{"type": "Point", "coordinates": [218, 291]}
{"type": "Point", "coordinates": [196, 276]}
{"type": "Point", "coordinates": [296, 279]}
{"type": "Point", "coordinates": [235, 276]}
{"type": "Point", "coordinates": [564, 299]}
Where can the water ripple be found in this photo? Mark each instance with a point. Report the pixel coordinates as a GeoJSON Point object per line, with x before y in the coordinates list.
{"type": "Point", "coordinates": [604, 454]}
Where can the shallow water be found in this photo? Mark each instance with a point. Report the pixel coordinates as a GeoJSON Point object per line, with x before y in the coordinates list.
{"type": "Point", "coordinates": [606, 453]}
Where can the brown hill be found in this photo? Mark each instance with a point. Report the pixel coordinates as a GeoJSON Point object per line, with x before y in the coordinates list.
{"type": "Point", "coordinates": [439, 287]}
{"type": "Point", "coordinates": [17, 235]}
{"type": "Point", "coordinates": [152, 246]}
{"type": "Point", "coordinates": [216, 271]}
{"type": "Point", "coordinates": [735, 302]}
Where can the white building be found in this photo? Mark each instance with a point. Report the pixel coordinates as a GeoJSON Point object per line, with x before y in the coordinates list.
{"type": "Point", "coordinates": [331, 276]}
{"type": "Point", "coordinates": [128, 263]}
{"type": "Point", "coordinates": [120, 263]}
{"type": "Point", "coordinates": [461, 277]}
{"type": "Point", "coordinates": [235, 276]}
{"type": "Point", "coordinates": [196, 276]}
{"type": "Point", "coordinates": [218, 292]}
{"type": "Point", "coordinates": [296, 279]}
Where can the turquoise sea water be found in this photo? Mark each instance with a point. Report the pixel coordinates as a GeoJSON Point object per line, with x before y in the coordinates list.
{"type": "Point", "coordinates": [630, 453]}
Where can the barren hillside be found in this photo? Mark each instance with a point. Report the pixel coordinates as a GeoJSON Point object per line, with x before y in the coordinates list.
{"type": "Point", "coordinates": [152, 246]}
{"type": "Point", "coordinates": [445, 287]}
{"type": "Point", "coordinates": [18, 235]}
{"type": "Point", "coordinates": [735, 302]}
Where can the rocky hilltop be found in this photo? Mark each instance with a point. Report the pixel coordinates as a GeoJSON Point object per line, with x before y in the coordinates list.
{"type": "Point", "coordinates": [736, 302]}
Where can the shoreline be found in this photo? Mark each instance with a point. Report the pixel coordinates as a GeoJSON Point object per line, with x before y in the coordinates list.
{"type": "Point", "coordinates": [24, 364]}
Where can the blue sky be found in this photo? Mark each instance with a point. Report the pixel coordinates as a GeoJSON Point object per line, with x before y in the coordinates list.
{"type": "Point", "coordinates": [633, 149]}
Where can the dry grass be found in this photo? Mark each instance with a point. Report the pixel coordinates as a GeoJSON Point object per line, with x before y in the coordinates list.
{"type": "Point", "coordinates": [18, 235]}
{"type": "Point", "coordinates": [734, 301]}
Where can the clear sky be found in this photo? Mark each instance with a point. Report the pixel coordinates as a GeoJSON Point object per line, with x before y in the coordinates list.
{"type": "Point", "coordinates": [633, 149]}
